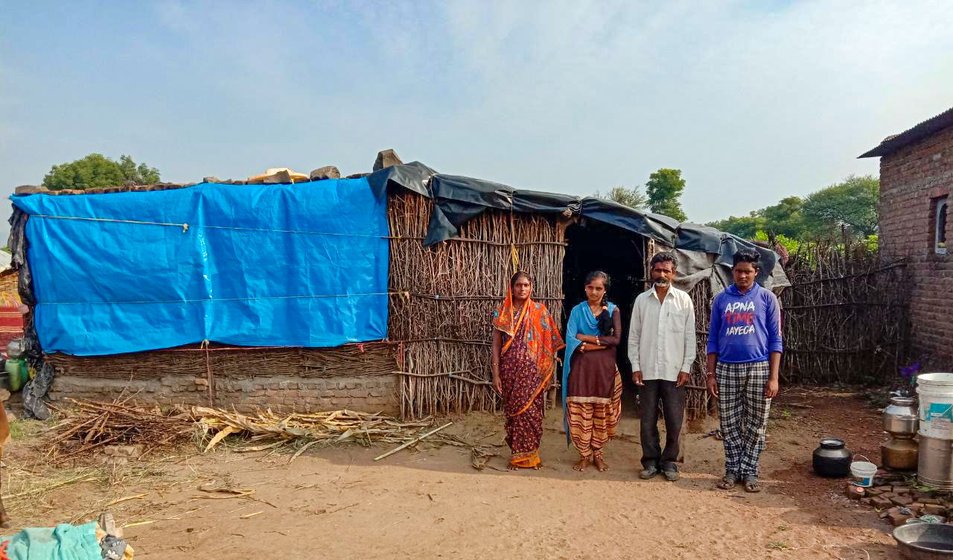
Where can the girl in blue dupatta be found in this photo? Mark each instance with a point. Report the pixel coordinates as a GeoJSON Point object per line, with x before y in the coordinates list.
{"type": "Point", "coordinates": [592, 386]}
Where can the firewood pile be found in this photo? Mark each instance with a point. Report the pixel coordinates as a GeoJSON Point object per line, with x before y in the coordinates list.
{"type": "Point", "coordinates": [90, 426]}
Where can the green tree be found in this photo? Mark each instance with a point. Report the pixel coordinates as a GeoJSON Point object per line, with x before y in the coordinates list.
{"type": "Point", "coordinates": [97, 170]}
{"type": "Point", "coordinates": [664, 189]}
{"type": "Point", "coordinates": [746, 227]}
{"type": "Point", "coordinates": [849, 206]}
{"type": "Point", "coordinates": [784, 218]}
{"type": "Point", "coordinates": [140, 174]}
{"type": "Point", "coordinates": [626, 196]}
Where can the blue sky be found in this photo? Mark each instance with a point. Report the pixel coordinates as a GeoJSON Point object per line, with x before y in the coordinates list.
{"type": "Point", "coordinates": [754, 101]}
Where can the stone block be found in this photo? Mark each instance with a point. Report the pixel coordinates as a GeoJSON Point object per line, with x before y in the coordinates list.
{"type": "Point", "coordinates": [326, 172]}
{"type": "Point", "coordinates": [902, 500]}
{"type": "Point", "coordinates": [386, 158]}
{"type": "Point", "coordinates": [880, 502]}
{"type": "Point", "coordinates": [898, 518]}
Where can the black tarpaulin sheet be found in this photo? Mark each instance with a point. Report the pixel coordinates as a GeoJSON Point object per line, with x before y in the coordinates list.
{"type": "Point", "coordinates": [459, 199]}
{"type": "Point", "coordinates": [694, 237]}
{"type": "Point", "coordinates": [413, 176]}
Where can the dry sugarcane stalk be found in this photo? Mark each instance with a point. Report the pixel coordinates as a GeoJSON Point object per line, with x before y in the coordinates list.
{"type": "Point", "coordinates": [413, 441]}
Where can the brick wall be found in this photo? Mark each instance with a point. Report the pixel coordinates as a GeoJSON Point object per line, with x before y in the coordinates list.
{"type": "Point", "coordinates": [357, 377]}
{"type": "Point", "coordinates": [910, 180]}
{"type": "Point", "coordinates": [363, 393]}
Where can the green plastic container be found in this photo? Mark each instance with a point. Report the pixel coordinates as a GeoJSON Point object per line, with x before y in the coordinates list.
{"type": "Point", "coordinates": [17, 372]}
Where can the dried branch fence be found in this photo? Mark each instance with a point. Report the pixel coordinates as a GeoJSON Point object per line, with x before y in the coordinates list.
{"type": "Point", "coordinates": [846, 317]}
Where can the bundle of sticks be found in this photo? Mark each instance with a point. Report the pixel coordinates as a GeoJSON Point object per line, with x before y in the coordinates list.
{"type": "Point", "coordinates": [87, 426]}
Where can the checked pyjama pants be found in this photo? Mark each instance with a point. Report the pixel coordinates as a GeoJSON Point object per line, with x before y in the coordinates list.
{"type": "Point", "coordinates": [743, 411]}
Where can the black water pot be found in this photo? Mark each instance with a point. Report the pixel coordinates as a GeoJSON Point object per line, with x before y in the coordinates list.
{"type": "Point", "coordinates": [831, 459]}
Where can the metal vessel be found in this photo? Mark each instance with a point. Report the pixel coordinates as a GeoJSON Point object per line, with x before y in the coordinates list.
{"type": "Point", "coordinates": [935, 462]}
{"type": "Point", "coordinates": [901, 420]}
{"type": "Point", "coordinates": [831, 459]}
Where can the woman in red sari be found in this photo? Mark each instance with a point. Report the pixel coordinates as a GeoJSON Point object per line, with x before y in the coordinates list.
{"type": "Point", "coordinates": [525, 342]}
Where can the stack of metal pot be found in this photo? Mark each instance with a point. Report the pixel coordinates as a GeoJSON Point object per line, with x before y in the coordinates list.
{"type": "Point", "coordinates": [899, 452]}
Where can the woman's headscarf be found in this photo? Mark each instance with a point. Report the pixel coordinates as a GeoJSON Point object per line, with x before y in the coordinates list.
{"type": "Point", "coordinates": [541, 333]}
{"type": "Point", "coordinates": [581, 321]}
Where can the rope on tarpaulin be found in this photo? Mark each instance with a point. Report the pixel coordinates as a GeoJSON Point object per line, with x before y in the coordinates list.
{"type": "Point", "coordinates": [186, 227]}
{"type": "Point", "coordinates": [209, 376]}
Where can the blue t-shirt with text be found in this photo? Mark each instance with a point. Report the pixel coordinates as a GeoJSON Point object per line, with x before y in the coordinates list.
{"type": "Point", "coordinates": [745, 327]}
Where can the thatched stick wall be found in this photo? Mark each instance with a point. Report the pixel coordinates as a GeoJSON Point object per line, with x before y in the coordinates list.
{"type": "Point", "coordinates": [443, 297]}
{"type": "Point", "coordinates": [845, 318]}
{"type": "Point", "coordinates": [697, 403]}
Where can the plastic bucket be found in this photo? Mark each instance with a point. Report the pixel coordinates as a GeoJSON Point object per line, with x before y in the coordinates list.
{"type": "Point", "coordinates": [936, 404]}
{"type": "Point", "coordinates": [863, 472]}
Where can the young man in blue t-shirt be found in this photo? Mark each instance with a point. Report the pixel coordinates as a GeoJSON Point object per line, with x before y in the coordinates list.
{"type": "Point", "coordinates": [744, 357]}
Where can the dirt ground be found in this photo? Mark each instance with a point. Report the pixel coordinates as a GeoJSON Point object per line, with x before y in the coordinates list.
{"type": "Point", "coordinates": [432, 503]}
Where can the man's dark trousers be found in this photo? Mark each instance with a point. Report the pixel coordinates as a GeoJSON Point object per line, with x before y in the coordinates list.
{"type": "Point", "coordinates": [673, 408]}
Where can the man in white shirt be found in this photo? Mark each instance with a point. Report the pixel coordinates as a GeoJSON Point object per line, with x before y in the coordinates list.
{"type": "Point", "coordinates": [662, 349]}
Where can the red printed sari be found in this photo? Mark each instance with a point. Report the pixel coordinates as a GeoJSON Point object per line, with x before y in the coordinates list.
{"type": "Point", "coordinates": [527, 363]}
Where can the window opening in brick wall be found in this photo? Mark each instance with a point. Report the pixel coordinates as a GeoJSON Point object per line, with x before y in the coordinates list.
{"type": "Point", "coordinates": [939, 219]}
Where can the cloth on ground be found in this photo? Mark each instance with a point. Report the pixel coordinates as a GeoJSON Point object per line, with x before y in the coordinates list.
{"type": "Point", "coordinates": [63, 542]}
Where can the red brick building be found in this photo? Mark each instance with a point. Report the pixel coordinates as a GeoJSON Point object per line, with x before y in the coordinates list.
{"type": "Point", "coordinates": [916, 188]}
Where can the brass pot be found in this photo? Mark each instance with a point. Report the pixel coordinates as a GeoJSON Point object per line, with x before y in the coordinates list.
{"type": "Point", "coordinates": [899, 454]}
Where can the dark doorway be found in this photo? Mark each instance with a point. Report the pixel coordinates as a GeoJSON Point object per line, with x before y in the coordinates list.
{"type": "Point", "coordinates": [617, 252]}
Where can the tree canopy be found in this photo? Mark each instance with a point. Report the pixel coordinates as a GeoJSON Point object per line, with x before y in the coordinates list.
{"type": "Point", "coordinates": [664, 189]}
{"type": "Point", "coordinates": [743, 226]}
{"type": "Point", "coordinates": [627, 196]}
{"type": "Point", "coordinates": [850, 205]}
{"type": "Point", "coordinates": [97, 170]}
{"type": "Point", "coordinates": [846, 208]}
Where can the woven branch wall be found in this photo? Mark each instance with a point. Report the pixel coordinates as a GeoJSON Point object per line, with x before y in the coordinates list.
{"type": "Point", "coordinates": [846, 318]}
{"type": "Point", "coordinates": [443, 297]}
{"type": "Point", "coordinates": [697, 401]}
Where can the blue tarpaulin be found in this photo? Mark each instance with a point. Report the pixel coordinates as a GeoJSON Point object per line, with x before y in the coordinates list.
{"type": "Point", "coordinates": [250, 265]}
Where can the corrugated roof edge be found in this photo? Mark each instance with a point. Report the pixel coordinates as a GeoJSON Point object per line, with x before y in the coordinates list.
{"type": "Point", "coordinates": [894, 142]}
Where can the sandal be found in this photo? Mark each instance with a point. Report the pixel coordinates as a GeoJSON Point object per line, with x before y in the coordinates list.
{"type": "Point", "coordinates": [728, 482]}
{"type": "Point", "coordinates": [752, 484]}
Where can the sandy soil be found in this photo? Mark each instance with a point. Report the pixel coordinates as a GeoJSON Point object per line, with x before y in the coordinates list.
{"type": "Point", "coordinates": [431, 503]}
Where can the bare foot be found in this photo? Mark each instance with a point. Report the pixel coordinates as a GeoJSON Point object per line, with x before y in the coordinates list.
{"type": "Point", "coordinates": [581, 464]}
{"type": "Point", "coordinates": [538, 466]}
{"type": "Point", "coordinates": [511, 467]}
{"type": "Point", "coordinates": [601, 465]}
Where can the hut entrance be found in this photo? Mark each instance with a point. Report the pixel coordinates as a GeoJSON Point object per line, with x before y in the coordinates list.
{"type": "Point", "coordinates": [620, 254]}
